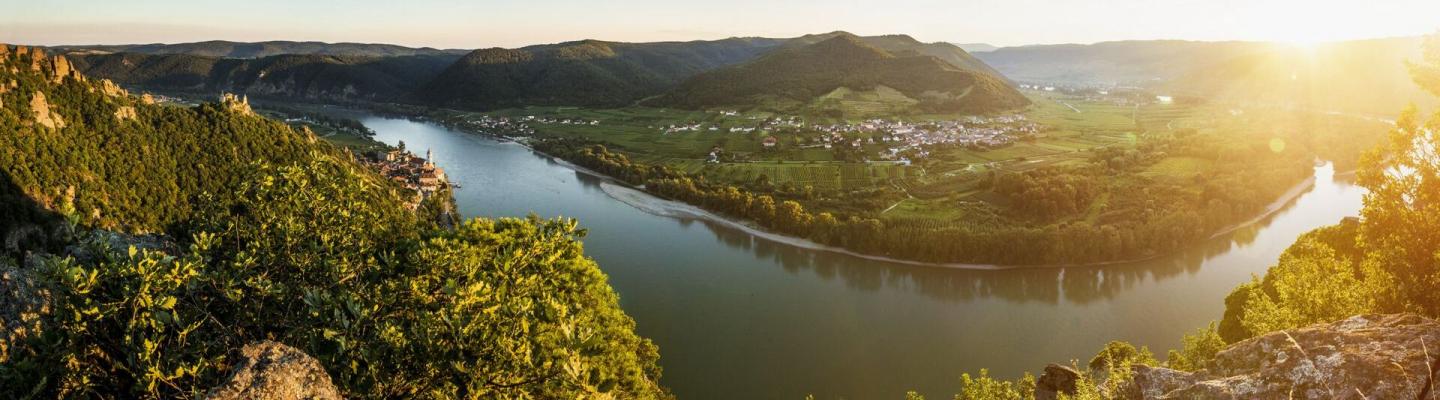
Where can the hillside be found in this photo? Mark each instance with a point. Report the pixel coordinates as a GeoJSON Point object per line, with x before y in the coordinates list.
{"type": "Point", "coordinates": [318, 77]}
{"type": "Point", "coordinates": [584, 73]}
{"type": "Point", "coordinates": [816, 76]}
{"type": "Point", "coordinates": [256, 235]}
{"type": "Point", "coordinates": [1365, 76]}
{"type": "Point", "coordinates": [228, 49]}
{"type": "Point", "coordinates": [902, 45]}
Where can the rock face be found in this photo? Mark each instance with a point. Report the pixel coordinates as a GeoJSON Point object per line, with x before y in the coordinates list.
{"type": "Point", "coordinates": [1056, 380]}
{"type": "Point", "coordinates": [111, 89]}
{"type": "Point", "coordinates": [59, 68]}
{"type": "Point", "coordinates": [274, 371]}
{"type": "Point", "coordinates": [43, 116]}
{"type": "Point", "coordinates": [1393, 356]}
{"type": "Point", "coordinates": [22, 303]}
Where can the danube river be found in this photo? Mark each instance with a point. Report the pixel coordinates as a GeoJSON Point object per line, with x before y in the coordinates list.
{"type": "Point", "coordinates": [739, 317]}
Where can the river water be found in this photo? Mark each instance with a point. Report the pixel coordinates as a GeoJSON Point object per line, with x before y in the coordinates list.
{"type": "Point", "coordinates": [738, 317]}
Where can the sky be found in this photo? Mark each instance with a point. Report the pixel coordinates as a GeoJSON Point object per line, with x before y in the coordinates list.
{"type": "Point", "coordinates": [509, 23]}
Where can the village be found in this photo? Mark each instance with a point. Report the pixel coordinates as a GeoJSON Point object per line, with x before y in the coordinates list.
{"type": "Point", "coordinates": [420, 175]}
{"type": "Point", "coordinates": [898, 140]}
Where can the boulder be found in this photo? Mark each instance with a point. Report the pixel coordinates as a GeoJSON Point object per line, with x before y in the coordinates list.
{"type": "Point", "coordinates": [273, 371]}
{"type": "Point", "coordinates": [1057, 379]}
{"type": "Point", "coordinates": [1392, 356]}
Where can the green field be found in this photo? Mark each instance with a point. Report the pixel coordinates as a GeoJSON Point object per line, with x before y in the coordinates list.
{"type": "Point", "coordinates": [1074, 128]}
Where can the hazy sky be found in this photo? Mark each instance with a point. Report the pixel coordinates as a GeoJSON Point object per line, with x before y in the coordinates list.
{"type": "Point", "coordinates": [474, 24]}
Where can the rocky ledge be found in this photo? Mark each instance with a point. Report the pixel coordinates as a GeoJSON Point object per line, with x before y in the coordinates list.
{"type": "Point", "coordinates": [1393, 356]}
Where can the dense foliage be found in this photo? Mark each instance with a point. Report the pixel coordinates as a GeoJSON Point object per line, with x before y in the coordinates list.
{"type": "Point", "coordinates": [136, 175]}
{"type": "Point", "coordinates": [315, 252]}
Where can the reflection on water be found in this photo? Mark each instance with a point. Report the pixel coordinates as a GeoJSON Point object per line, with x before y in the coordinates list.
{"type": "Point", "coordinates": [741, 317]}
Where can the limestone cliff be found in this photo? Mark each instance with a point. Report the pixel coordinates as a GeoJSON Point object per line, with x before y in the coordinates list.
{"type": "Point", "coordinates": [43, 115]}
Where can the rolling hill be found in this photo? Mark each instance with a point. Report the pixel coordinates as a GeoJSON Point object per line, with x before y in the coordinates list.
{"type": "Point", "coordinates": [317, 77]}
{"type": "Point", "coordinates": [832, 74]}
{"type": "Point", "coordinates": [583, 73]}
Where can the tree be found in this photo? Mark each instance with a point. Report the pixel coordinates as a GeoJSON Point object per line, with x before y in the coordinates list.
{"type": "Point", "coordinates": [1400, 231]}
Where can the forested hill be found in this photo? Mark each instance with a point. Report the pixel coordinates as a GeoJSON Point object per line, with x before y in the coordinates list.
{"type": "Point", "coordinates": [837, 68]}
{"type": "Point", "coordinates": [583, 73]}
{"type": "Point", "coordinates": [904, 44]}
{"type": "Point", "coordinates": [318, 77]}
{"type": "Point", "coordinates": [269, 236]}
{"type": "Point", "coordinates": [228, 49]}
{"type": "Point", "coordinates": [119, 161]}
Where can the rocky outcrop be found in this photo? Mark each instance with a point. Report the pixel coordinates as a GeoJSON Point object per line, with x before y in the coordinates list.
{"type": "Point", "coordinates": [43, 115]}
{"type": "Point", "coordinates": [1392, 356]}
{"type": "Point", "coordinates": [125, 113]}
{"type": "Point", "coordinates": [274, 371]}
{"type": "Point", "coordinates": [36, 56]}
{"type": "Point", "coordinates": [111, 89]}
{"type": "Point", "coordinates": [1056, 380]}
{"type": "Point", "coordinates": [58, 68]}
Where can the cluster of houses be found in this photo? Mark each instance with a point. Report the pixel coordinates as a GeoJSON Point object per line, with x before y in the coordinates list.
{"type": "Point", "coordinates": [410, 171]}
{"type": "Point", "coordinates": [517, 126]}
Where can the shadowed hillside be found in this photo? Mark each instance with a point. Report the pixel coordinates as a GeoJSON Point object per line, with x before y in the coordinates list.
{"type": "Point", "coordinates": [319, 77]}
{"type": "Point", "coordinates": [584, 73]}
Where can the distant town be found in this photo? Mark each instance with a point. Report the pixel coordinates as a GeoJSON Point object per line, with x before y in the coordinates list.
{"type": "Point", "coordinates": [898, 137]}
{"type": "Point", "coordinates": [420, 175]}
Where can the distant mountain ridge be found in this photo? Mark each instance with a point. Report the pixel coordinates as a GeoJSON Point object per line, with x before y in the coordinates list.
{"type": "Point", "coordinates": [1367, 76]}
{"type": "Point", "coordinates": [843, 68]}
{"type": "Point", "coordinates": [315, 77]}
{"type": "Point", "coordinates": [591, 73]}
{"type": "Point", "coordinates": [228, 49]}
{"type": "Point", "coordinates": [976, 47]}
